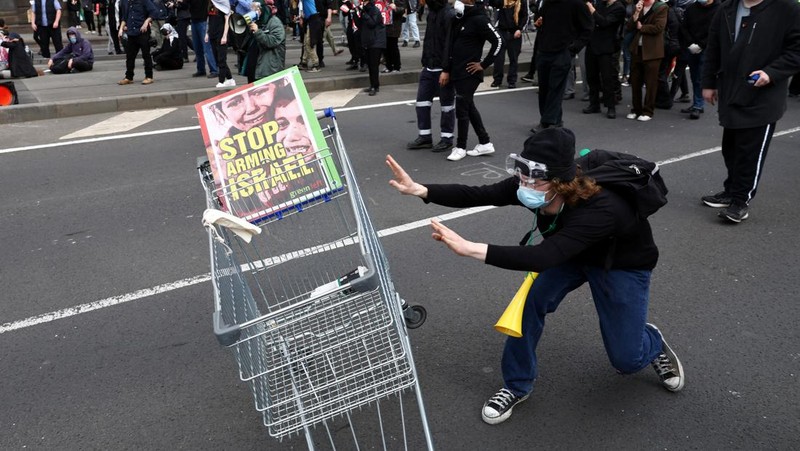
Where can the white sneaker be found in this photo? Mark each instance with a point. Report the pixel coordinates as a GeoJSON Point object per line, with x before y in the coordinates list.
{"type": "Point", "coordinates": [220, 85]}
{"type": "Point", "coordinates": [631, 116]}
{"type": "Point", "coordinates": [481, 149]}
{"type": "Point", "coordinates": [457, 154]}
{"type": "Point", "coordinates": [230, 83]}
{"type": "Point", "coordinates": [643, 118]}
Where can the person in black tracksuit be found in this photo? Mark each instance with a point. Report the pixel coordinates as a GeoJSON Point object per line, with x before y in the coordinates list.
{"type": "Point", "coordinates": [463, 67]}
{"type": "Point", "coordinates": [440, 17]}
{"type": "Point", "coordinates": [583, 233]}
{"type": "Point", "coordinates": [512, 18]}
{"type": "Point", "coordinates": [749, 38]}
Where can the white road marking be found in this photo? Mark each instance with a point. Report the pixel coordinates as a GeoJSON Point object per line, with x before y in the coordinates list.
{"type": "Point", "coordinates": [202, 278]}
{"type": "Point", "coordinates": [147, 292]}
{"type": "Point", "coordinates": [334, 99]}
{"type": "Point", "coordinates": [197, 127]}
{"type": "Point", "coordinates": [120, 123]}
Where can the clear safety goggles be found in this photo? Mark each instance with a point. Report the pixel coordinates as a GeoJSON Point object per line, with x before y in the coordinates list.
{"type": "Point", "coordinates": [526, 170]}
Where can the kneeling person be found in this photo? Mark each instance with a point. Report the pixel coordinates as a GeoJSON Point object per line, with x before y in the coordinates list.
{"type": "Point", "coordinates": [169, 56]}
{"type": "Point", "coordinates": [586, 234]}
{"type": "Point", "coordinates": [76, 56]}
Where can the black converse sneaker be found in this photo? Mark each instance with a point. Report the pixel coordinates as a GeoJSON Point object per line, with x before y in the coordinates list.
{"type": "Point", "coordinates": [667, 366]}
{"type": "Point", "coordinates": [498, 408]}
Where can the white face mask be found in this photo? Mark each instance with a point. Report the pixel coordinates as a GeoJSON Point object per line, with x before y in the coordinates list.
{"type": "Point", "coordinates": [459, 7]}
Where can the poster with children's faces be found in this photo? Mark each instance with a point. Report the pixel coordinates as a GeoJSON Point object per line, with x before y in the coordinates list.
{"type": "Point", "coordinates": [265, 148]}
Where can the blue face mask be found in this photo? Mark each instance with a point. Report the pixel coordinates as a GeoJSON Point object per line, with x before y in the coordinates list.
{"type": "Point", "coordinates": [532, 198]}
{"type": "Point", "coordinates": [73, 40]}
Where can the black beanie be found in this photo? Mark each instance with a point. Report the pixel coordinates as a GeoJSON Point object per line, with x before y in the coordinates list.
{"type": "Point", "coordinates": [554, 147]}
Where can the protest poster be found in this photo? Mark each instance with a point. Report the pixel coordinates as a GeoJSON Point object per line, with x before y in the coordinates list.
{"type": "Point", "coordinates": [266, 149]}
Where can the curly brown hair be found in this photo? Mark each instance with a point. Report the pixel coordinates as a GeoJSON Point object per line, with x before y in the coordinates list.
{"type": "Point", "coordinates": [578, 189]}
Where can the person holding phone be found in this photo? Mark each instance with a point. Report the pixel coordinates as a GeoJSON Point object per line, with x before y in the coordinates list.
{"type": "Point", "coordinates": [747, 72]}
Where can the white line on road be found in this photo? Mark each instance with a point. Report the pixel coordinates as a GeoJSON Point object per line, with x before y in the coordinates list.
{"type": "Point", "coordinates": [147, 292]}
{"type": "Point", "coordinates": [116, 300]}
{"type": "Point", "coordinates": [197, 127]}
{"type": "Point", "coordinates": [124, 122]}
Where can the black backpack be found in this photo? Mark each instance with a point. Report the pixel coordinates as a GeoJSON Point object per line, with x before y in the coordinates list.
{"type": "Point", "coordinates": [636, 180]}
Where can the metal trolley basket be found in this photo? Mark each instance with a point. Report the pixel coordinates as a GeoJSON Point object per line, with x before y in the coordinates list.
{"type": "Point", "coordinates": [312, 317]}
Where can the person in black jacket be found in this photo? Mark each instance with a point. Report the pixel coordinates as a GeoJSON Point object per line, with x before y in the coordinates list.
{"type": "Point", "coordinates": [373, 42]}
{"type": "Point", "coordinates": [565, 27]}
{"type": "Point", "coordinates": [512, 18]}
{"type": "Point", "coordinates": [463, 67]}
{"type": "Point", "coordinates": [169, 56]}
{"type": "Point", "coordinates": [585, 234]}
{"type": "Point", "coordinates": [19, 64]}
{"type": "Point", "coordinates": [440, 16]}
{"type": "Point", "coordinates": [600, 74]}
{"type": "Point", "coordinates": [753, 50]}
{"type": "Point", "coordinates": [694, 39]}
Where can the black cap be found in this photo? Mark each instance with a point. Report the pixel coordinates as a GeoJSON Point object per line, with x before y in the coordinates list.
{"type": "Point", "coordinates": [554, 147]}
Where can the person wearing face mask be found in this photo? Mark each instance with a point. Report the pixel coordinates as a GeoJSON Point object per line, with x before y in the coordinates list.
{"type": "Point", "coordinates": [169, 56]}
{"type": "Point", "coordinates": [580, 233]}
{"type": "Point", "coordinates": [76, 56]}
{"type": "Point", "coordinates": [463, 67]}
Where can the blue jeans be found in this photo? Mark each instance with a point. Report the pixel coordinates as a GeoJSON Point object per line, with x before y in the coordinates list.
{"type": "Point", "coordinates": [696, 72]}
{"type": "Point", "coordinates": [198, 42]}
{"type": "Point", "coordinates": [620, 297]}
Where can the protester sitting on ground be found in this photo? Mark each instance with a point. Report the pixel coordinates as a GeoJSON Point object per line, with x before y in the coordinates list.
{"type": "Point", "coordinates": [76, 56]}
{"type": "Point", "coordinates": [169, 56]}
{"type": "Point", "coordinates": [19, 63]}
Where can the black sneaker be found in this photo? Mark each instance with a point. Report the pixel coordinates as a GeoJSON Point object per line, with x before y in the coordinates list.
{"type": "Point", "coordinates": [416, 44]}
{"type": "Point", "coordinates": [405, 44]}
{"type": "Point", "coordinates": [736, 212]}
{"type": "Point", "coordinates": [667, 366]}
{"type": "Point", "coordinates": [527, 78]}
{"type": "Point", "coordinates": [683, 99]}
{"type": "Point", "coordinates": [422, 142]}
{"type": "Point", "coordinates": [719, 200]}
{"type": "Point", "coordinates": [496, 84]}
{"type": "Point", "coordinates": [692, 109]}
{"type": "Point", "coordinates": [498, 408]}
{"type": "Point", "coordinates": [442, 146]}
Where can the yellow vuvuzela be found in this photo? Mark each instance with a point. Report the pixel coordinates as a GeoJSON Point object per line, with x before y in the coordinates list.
{"type": "Point", "coordinates": [510, 323]}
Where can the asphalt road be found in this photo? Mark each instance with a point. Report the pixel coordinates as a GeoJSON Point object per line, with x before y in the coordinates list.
{"type": "Point", "coordinates": [111, 220]}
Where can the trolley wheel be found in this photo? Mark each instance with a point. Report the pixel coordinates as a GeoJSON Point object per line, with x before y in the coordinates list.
{"type": "Point", "coordinates": [415, 316]}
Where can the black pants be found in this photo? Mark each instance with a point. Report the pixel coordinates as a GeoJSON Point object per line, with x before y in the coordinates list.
{"type": "Point", "coordinates": [553, 68]}
{"type": "Point", "coordinates": [373, 61]}
{"type": "Point", "coordinates": [182, 28]}
{"type": "Point", "coordinates": [88, 17]}
{"type": "Point", "coordinates": [794, 86]}
{"type": "Point", "coordinates": [113, 30]}
{"type": "Point", "coordinates": [47, 34]}
{"type": "Point", "coordinates": [513, 47]}
{"type": "Point", "coordinates": [136, 43]}
{"type": "Point", "coordinates": [392, 54]}
{"type": "Point", "coordinates": [745, 151]}
{"type": "Point", "coordinates": [601, 77]}
{"type": "Point", "coordinates": [167, 63]}
{"type": "Point", "coordinates": [467, 113]}
{"type": "Point", "coordinates": [60, 66]}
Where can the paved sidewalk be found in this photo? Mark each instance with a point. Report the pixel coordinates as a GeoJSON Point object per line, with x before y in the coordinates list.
{"type": "Point", "coordinates": [55, 96]}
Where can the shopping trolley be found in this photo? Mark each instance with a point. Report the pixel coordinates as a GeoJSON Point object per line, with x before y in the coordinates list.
{"type": "Point", "coordinates": [312, 317]}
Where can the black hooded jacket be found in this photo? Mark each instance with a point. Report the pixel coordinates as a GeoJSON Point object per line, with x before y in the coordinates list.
{"type": "Point", "coordinates": [465, 43]}
{"type": "Point", "coordinates": [769, 40]}
{"type": "Point", "coordinates": [440, 16]}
